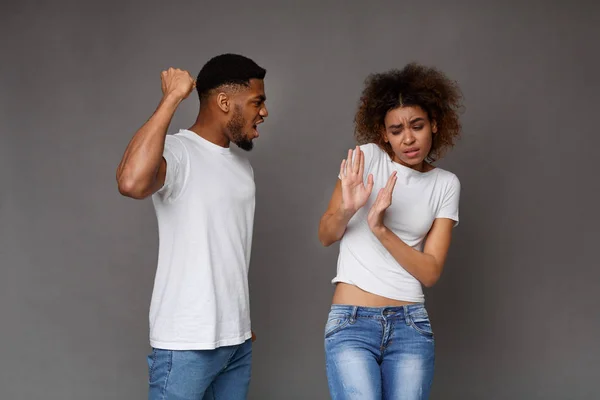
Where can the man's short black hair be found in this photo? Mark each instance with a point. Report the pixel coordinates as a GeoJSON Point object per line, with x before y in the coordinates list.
{"type": "Point", "coordinates": [227, 69]}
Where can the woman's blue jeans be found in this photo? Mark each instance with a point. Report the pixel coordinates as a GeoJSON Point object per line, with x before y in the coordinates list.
{"type": "Point", "coordinates": [379, 353]}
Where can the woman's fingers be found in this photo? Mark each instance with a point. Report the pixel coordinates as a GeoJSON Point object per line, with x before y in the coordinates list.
{"type": "Point", "coordinates": [349, 161]}
{"type": "Point", "coordinates": [356, 161]}
{"type": "Point", "coordinates": [389, 186]}
{"type": "Point", "coordinates": [343, 169]}
{"type": "Point", "coordinates": [369, 183]}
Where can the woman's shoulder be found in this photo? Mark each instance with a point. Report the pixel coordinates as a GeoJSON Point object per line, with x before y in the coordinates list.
{"type": "Point", "coordinates": [446, 176]}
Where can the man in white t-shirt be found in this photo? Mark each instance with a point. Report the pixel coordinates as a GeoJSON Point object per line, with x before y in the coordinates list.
{"type": "Point", "coordinates": [204, 198]}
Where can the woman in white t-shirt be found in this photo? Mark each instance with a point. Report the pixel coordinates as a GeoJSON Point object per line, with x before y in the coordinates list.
{"type": "Point", "coordinates": [394, 212]}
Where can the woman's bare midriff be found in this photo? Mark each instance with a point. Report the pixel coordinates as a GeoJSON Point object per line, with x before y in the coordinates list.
{"type": "Point", "coordinates": [351, 295]}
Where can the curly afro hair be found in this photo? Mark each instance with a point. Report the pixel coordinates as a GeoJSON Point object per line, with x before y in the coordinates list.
{"type": "Point", "coordinates": [414, 85]}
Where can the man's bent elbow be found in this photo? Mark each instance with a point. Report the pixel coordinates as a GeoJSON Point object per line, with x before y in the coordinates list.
{"type": "Point", "coordinates": [325, 242]}
{"type": "Point", "coordinates": [129, 188]}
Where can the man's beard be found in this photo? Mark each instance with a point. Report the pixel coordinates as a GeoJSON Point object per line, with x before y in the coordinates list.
{"type": "Point", "coordinates": [236, 129]}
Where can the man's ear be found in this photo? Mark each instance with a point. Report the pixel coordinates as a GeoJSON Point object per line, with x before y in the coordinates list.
{"type": "Point", "coordinates": [224, 102]}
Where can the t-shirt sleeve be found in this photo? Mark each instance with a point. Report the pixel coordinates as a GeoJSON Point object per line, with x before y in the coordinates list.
{"type": "Point", "coordinates": [175, 154]}
{"type": "Point", "coordinates": [450, 201]}
{"type": "Point", "coordinates": [369, 151]}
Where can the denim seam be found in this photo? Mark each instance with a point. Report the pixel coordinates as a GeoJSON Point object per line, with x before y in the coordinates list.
{"type": "Point", "coordinates": [212, 391]}
{"type": "Point", "coordinates": [152, 365]}
{"type": "Point", "coordinates": [235, 350]}
{"type": "Point", "coordinates": [169, 365]}
{"type": "Point", "coordinates": [382, 344]}
{"type": "Point", "coordinates": [390, 336]}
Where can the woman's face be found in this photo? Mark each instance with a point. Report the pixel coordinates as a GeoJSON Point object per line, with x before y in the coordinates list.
{"type": "Point", "coordinates": [409, 132]}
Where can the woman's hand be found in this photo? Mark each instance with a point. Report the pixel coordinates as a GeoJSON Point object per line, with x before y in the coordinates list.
{"type": "Point", "coordinates": [383, 201]}
{"type": "Point", "coordinates": [354, 192]}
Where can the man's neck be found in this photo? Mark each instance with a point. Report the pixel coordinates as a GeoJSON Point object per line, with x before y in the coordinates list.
{"type": "Point", "coordinates": [211, 130]}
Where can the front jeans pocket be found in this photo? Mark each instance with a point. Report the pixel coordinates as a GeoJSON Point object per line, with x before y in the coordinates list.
{"type": "Point", "coordinates": [421, 324]}
{"type": "Point", "coordinates": [336, 322]}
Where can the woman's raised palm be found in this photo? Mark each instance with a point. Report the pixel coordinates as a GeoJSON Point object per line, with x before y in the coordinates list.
{"type": "Point", "coordinates": [354, 192]}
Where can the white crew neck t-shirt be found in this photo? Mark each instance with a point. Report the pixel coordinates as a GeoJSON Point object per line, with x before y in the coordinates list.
{"type": "Point", "coordinates": [205, 213]}
{"type": "Point", "coordinates": [418, 199]}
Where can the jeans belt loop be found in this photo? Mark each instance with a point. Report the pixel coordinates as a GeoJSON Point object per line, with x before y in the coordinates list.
{"type": "Point", "coordinates": [406, 316]}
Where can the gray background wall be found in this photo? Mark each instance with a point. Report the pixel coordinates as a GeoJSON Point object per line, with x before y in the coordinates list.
{"type": "Point", "coordinates": [516, 312]}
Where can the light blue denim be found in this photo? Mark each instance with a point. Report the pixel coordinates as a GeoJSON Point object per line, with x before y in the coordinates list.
{"type": "Point", "coordinates": [220, 374]}
{"type": "Point", "coordinates": [379, 353]}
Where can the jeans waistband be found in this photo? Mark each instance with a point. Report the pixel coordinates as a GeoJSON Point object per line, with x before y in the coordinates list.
{"type": "Point", "coordinates": [381, 312]}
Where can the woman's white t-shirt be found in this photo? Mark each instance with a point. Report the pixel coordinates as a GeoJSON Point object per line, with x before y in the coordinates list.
{"type": "Point", "coordinates": [418, 199]}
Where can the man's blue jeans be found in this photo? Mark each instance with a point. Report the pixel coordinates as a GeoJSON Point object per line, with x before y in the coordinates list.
{"type": "Point", "coordinates": [223, 373]}
{"type": "Point", "coordinates": [379, 353]}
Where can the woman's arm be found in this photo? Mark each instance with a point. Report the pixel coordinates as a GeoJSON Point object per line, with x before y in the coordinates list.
{"type": "Point", "coordinates": [425, 266]}
{"type": "Point", "coordinates": [335, 220]}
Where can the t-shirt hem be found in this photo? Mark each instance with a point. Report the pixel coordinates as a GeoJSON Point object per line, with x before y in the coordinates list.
{"type": "Point", "coordinates": [420, 300]}
{"type": "Point", "coordinates": [158, 344]}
